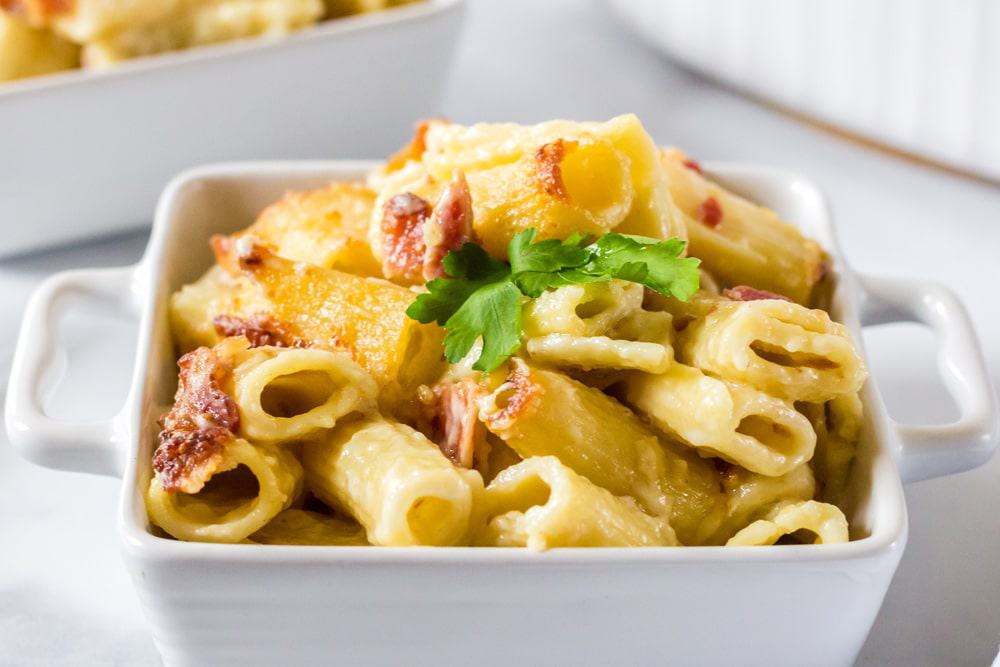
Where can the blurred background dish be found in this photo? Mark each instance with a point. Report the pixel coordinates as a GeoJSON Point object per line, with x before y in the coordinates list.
{"type": "Point", "coordinates": [106, 142]}
{"type": "Point", "coordinates": [44, 36]}
{"type": "Point", "coordinates": [917, 76]}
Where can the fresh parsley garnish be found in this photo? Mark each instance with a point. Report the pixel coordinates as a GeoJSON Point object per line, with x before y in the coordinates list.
{"type": "Point", "coordinates": [482, 296]}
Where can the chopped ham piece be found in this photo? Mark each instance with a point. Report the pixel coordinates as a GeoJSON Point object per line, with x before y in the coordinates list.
{"type": "Point", "coordinates": [692, 165]}
{"type": "Point", "coordinates": [195, 431]}
{"type": "Point", "coordinates": [450, 226]}
{"type": "Point", "coordinates": [710, 213]}
{"type": "Point", "coordinates": [260, 329]}
{"type": "Point", "coordinates": [747, 293]}
{"type": "Point", "coordinates": [456, 421]}
{"type": "Point", "coordinates": [403, 218]}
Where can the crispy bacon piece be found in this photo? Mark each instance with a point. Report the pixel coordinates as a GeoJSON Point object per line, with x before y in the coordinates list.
{"type": "Point", "coordinates": [692, 165]}
{"type": "Point", "coordinates": [37, 12]}
{"type": "Point", "coordinates": [747, 293]}
{"type": "Point", "coordinates": [709, 212]}
{"type": "Point", "coordinates": [517, 395]}
{"type": "Point", "coordinates": [260, 329]}
{"type": "Point", "coordinates": [548, 167]}
{"type": "Point", "coordinates": [455, 422]}
{"type": "Point", "coordinates": [403, 218]}
{"type": "Point", "coordinates": [195, 431]}
{"type": "Point", "coordinates": [450, 226]}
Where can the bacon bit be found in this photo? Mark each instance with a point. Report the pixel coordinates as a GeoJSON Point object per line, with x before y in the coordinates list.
{"type": "Point", "coordinates": [403, 218]}
{"type": "Point", "coordinates": [260, 329]}
{"type": "Point", "coordinates": [450, 226]}
{"type": "Point", "coordinates": [523, 398]}
{"type": "Point", "coordinates": [710, 213]}
{"type": "Point", "coordinates": [195, 431]}
{"type": "Point", "coordinates": [692, 165]}
{"type": "Point", "coordinates": [455, 422]}
{"type": "Point", "coordinates": [37, 10]}
{"type": "Point", "coordinates": [747, 293]}
{"type": "Point", "coordinates": [416, 148]}
{"type": "Point", "coordinates": [548, 169]}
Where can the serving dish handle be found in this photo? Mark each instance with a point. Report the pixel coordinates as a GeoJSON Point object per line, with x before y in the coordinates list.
{"type": "Point", "coordinates": [927, 451]}
{"type": "Point", "coordinates": [94, 447]}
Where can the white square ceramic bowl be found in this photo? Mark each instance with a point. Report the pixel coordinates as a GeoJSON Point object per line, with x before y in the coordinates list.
{"type": "Point", "coordinates": [247, 604]}
{"type": "Point", "coordinates": [85, 153]}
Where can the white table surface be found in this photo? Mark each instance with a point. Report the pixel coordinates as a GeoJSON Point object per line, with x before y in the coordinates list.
{"type": "Point", "coordinates": [64, 594]}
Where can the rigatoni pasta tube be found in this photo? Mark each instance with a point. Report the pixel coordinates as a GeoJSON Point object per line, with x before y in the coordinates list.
{"type": "Point", "coordinates": [194, 307]}
{"type": "Point", "coordinates": [286, 394]}
{"type": "Point", "coordinates": [479, 148]}
{"type": "Point", "coordinates": [327, 227]}
{"type": "Point", "coordinates": [737, 240]}
{"type": "Point", "coordinates": [745, 426]}
{"type": "Point", "coordinates": [751, 496]}
{"type": "Point", "coordinates": [541, 504]}
{"type": "Point", "coordinates": [395, 482]}
{"type": "Point", "coordinates": [777, 346]}
{"type": "Point", "coordinates": [825, 522]}
{"type": "Point", "coordinates": [539, 412]}
{"type": "Point", "coordinates": [247, 487]}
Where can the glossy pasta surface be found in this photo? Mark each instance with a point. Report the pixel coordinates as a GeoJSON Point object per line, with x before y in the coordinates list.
{"type": "Point", "coordinates": [314, 408]}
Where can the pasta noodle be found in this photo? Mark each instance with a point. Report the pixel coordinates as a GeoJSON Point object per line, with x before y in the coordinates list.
{"type": "Point", "coordinates": [779, 347]}
{"type": "Point", "coordinates": [739, 242]}
{"type": "Point", "coordinates": [247, 488]}
{"type": "Point", "coordinates": [365, 316]}
{"type": "Point", "coordinates": [289, 394]}
{"type": "Point", "coordinates": [753, 429]}
{"type": "Point", "coordinates": [825, 523]}
{"type": "Point", "coordinates": [330, 390]}
{"type": "Point", "coordinates": [543, 413]}
{"type": "Point", "coordinates": [395, 482]}
{"type": "Point", "coordinates": [540, 503]}
{"type": "Point", "coordinates": [327, 227]}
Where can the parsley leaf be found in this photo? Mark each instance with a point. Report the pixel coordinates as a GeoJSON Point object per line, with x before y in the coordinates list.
{"type": "Point", "coordinates": [470, 268]}
{"type": "Point", "coordinates": [493, 312]}
{"type": "Point", "coordinates": [536, 266]}
{"type": "Point", "coordinates": [481, 297]}
{"type": "Point", "coordinates": [655, 264]}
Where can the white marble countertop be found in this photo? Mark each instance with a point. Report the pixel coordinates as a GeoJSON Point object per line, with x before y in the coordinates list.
{"type": "Point", "coordinates": [64, 594]}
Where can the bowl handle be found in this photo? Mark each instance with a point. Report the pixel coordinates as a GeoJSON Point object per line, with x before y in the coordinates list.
{"type": "Point", "coordinates": [940, 449]}
{"type": "Point", "coordinates": [94, 447]}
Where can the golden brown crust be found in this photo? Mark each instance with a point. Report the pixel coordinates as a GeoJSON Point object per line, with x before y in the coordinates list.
{"type": "Point", "coordinates": [520, 393]}
{"type": "Point", "coordinates": [548, 167]}
{"type": "Point", "coordinates": [203, 420]}
{"type": "Point", "coordinates": [415, 149]}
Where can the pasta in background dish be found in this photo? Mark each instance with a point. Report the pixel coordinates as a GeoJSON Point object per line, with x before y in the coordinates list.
{"type": "Point", "coordinates": [44, 36]}
{"type": "Point", "coordinates": [511, 336]}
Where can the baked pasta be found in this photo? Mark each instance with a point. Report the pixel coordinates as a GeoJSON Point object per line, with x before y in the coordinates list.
{"type": "Point", "coordinates": [43, 36]}
{"type": "Point", "coordinates": [511, 336]}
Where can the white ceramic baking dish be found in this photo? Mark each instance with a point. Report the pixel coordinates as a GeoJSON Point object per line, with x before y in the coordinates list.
{"type": "Point", "coordinates": [920, 76]}
{"type": "Point", "coordinates": [83, 153]}
{"type": "Point", "coordinates": [270, 605]}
